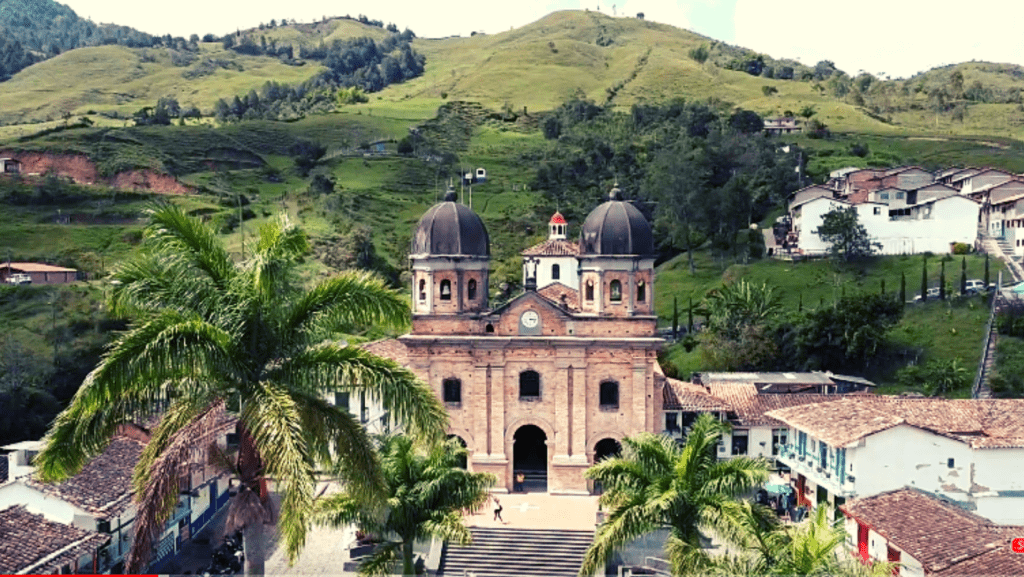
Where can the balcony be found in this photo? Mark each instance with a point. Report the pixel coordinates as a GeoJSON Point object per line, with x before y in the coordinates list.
{"type": "Point", "coordinates": [811, 468]}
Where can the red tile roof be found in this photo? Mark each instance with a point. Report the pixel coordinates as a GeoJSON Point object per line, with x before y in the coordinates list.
{"type": "Point", "coordinates": [104, 486]}
{"type": "Point", "coordinates": [980, 423]}
{"type": "Point", "coordinates": [946, 539]}
{"type": "Point", "coordinates": [557, 247]}
{"type": "Point", "coordinates": [556, 290]}
{"type": "Point", "coordinates": [683, 396]}
{"type": "Point", "coordinates": [753, 410]}
{"type": "Point", "coordinates": [36, 267]}
{"type": "Point", "coordinates": [29, 542]}
{"type": "Point", "coordinates": [557, 218]}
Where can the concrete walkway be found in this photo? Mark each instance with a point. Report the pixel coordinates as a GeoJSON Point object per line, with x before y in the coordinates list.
{"type": "Point", "coordinates": [539, 511]}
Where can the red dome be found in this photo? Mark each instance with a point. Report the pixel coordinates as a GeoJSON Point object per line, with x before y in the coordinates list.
{"type": "Point", "coordinates": [557, 218]}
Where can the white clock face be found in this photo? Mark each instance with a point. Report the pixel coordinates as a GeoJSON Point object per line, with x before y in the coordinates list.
{"type": "Point", "coordinates": [530, 319]}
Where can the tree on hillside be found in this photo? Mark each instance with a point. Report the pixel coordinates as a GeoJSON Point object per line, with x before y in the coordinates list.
{"type": "Point", "coordinates": [656, 484]}
{"type": "Point", "coordinates": [210, 332]}
{"type": "Point", "coordinates": [848, 334]}
{"type": "Point", "coordinates": [427, 491]}
{"type": "Point", "coordinates": [847, 238]}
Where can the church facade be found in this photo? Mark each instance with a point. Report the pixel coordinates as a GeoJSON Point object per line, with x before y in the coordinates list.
{"type": "Point", "coordinates": [559, 375]}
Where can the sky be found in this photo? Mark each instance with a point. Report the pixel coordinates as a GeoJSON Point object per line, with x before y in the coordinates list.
{"type": "Point", "coordinates": [895, 38]}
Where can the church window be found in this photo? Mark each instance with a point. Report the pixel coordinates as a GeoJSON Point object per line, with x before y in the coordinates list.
{"type": "Point", "coordinates": [556, 272]}
{"type": "Point", "coordinates": [609, 395]}
{"type": "Point", "coordinates": [529, 385]}
{"type": "Point", "coordinates": [641, 291]}
{"type": "Point", "coordinates": [471, 289]}
{"type": "Point", "coordinates": [423, 290]}
{"type": "Point", "coordinates": [446, 290]}
{"type": "Point", "coordinates": [489, 328]}
{"type": "Point", "coordinates": [615, 288]}
{"type": "Point", "coordinates": [452, 391]}
{"type": "Point", "coordinates": [590, 290]}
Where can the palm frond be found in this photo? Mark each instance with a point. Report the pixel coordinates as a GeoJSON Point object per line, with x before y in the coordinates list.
{"type": "Point", "coordinates": [173, 231]}
{"type": "Point", "coordinates": [272, 417]}
{"type": "Point", "coordinates": [351, 299]}
{"type": "Point", "coordinates": [186, 427]}
{"type": "Point", "coordinates": [383, 560]}
{"type": "Point", "coordinates": [336, 439]}
{"type": "Point", "coordinates": [342, 509]}
{"type": "Point", "coordinates": [623, 525]}
{"type": "Point", "coordinates": [685, 557]}
{"type": "Point", "coordinates": [150, 281]}
{"type": "Point", "coordinates": [330, 367]}
{"type": "Point", "coordinates": [448, 526]}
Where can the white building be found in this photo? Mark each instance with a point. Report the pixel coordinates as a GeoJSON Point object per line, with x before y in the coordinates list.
{"type": "Point", "coordinates": [929, 226]}
{"type": "Point", "coordinates": [926, 535]}
{"type": "Point", "coordinates": [968, 451]}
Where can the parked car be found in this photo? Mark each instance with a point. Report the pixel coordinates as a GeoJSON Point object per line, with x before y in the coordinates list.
{"type": "Point", "coordinates": [974, 287]}
{"type": "Point", "coordinates": [933, 293]}
{"type": "Point", "coordinates": [19, 278]}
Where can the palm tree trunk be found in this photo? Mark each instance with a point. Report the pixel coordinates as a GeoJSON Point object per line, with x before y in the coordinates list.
{"type": "Point", "coordinates": [407, 566]}
{"type": "Point", "coordinates": [254, 547]}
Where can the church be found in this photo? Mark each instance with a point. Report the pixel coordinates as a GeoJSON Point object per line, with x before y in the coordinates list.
{"type": "Point", "coordinates": [557, 376]}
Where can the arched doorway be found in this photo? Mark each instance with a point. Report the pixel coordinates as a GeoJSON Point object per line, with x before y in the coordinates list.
{"type": "Point", "coordinates": [463, 460]}
{"type": "Point", "coordinates": [606, 448]}
{"type": "Point", "coordinates": [530, 457]}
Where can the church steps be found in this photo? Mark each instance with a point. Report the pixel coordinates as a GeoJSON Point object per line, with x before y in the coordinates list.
{"type": "Point", "coordinates": [507, 551]}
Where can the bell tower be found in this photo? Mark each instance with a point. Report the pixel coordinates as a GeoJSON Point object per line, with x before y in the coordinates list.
{"type": "Point", "coordinates": [449, 258]}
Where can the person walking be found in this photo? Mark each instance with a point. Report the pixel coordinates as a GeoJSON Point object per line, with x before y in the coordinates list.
{"type": "Point", "coordinates": [497, 510]}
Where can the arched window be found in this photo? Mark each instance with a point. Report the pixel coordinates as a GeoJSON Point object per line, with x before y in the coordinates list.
{"type": "Point", "coordinates": [609, 395]}
{"type": "Point", "coordinates": [641, 291]}
{"type": "Point", "coordinates": [489, 328]}
{"type": "Point", "coordinates": [446, 290]}
{"type": "Point", "coordinates": [471, 289]}
{"type": "Point", "coordinates": [556, 272]}
{"type": "Point", "coordinates": [590, 290]}
{"type": "Point", "coordinates": [423, 290]}
{"type": "Point", "coordinates": [615, 291]}
{"type": "Point", "coordinates": [452, 391]}
{"type": "Point", "coordinates": [529, 385]}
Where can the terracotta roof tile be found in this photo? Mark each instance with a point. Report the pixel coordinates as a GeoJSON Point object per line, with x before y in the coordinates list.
{"type": "Point", "coordinates": [988, 423]}
{"type": "Point", "coordinates": [557, 247]}
{"type": "Point", "coordinates": [389, 349]}
{"type": "Point", "coordinates": [30, 542]}
{"type": "Point", "coordinates": [941, 535]}
{"type": "Point", "coordinates": [752, 410]}
{"type": "Point", "coordinates": [683, 396]}
{"type": "Point", "coordinates": [104, 486]}
{"type": "Point", "coordinates": [556, 290]}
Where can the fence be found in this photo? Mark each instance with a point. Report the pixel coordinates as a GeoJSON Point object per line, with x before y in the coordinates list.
{"type": "Point", "coordinates": [986, 348]}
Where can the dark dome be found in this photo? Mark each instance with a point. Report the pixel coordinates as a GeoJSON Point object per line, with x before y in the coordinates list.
{"type": "Point", "coordinates": [450, 228]}
{"type": "Point", "coordinates": [616, 228]}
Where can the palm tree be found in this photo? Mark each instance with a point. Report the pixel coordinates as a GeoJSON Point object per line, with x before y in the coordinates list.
{"type": "Point", "coordinates": [656, 484]}
{"type": "Point", "coordinates": [210, 333]}
{"type": "Point", "coordinates": [427, 492]}
{"type": "Point", "coordinates": [811, 549]}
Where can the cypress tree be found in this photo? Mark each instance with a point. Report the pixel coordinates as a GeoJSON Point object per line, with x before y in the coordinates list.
{"type": "Point", "coordinates": [924, 280]}
{"type": "Point", "coordinates": [689, 318]}
{"type": "Point", "coordinates": [883, 287]}
{"type": "Point", "coordinates": [942, 281]}
{"type": "Point", "coordinates": [903, 288]}
{"type": "Point", "coordinates": [963, 276]}
{"type": "Point", "coordinates": [675, 317]}
{"type": "Point", "coordinates": [800, 305]}
{"type": "Point", "coordinates": [986, 271]}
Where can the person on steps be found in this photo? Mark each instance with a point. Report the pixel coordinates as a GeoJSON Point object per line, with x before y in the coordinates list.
{"type": "Point", "coordinates": [497, 510]}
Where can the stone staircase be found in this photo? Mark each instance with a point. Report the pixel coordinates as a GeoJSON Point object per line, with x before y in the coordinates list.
{"type": "Point", "coordinates": [501, 552]}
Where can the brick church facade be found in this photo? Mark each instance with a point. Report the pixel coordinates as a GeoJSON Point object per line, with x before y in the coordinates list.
{"type": "Point", "coordinates": [557, 376]}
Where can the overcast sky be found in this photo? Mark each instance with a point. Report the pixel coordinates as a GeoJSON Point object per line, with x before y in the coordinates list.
{"type": "Point", "coordinates": [894, 37]}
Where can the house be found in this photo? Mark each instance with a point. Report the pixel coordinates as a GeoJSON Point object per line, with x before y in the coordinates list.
{"type": "Point", "coordinates": [929, 226]}
{"type": "Point", "coordinates": [40, 273]}
{"type": "Point", "coordinates": [744, 399]}
{"type": "Point", "coordinates": [10, 166]}
{"type": "Point", "coordinates": [32, 544]}
{"type": "Point", "coordinates": [781, 125]}
{"type": "Point", "coordinates": [1000, 216]}
{"type": "Point", "coordinates": [906, 177]}
{"type": "Point", "coordinates": [929, 536]}
{"type": "Point", "coordinates": [984, 178]}
{"type": "Point", "coordinates": [99, 498]}
{"type": "Point", "coordinates": [933, 191]}
{"type": "Point", "coordinates": [554, 260]}
{"type": "Point", "coordinates": [862, 445]}
{"type": "Point", "coordinates": [956, 179]}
